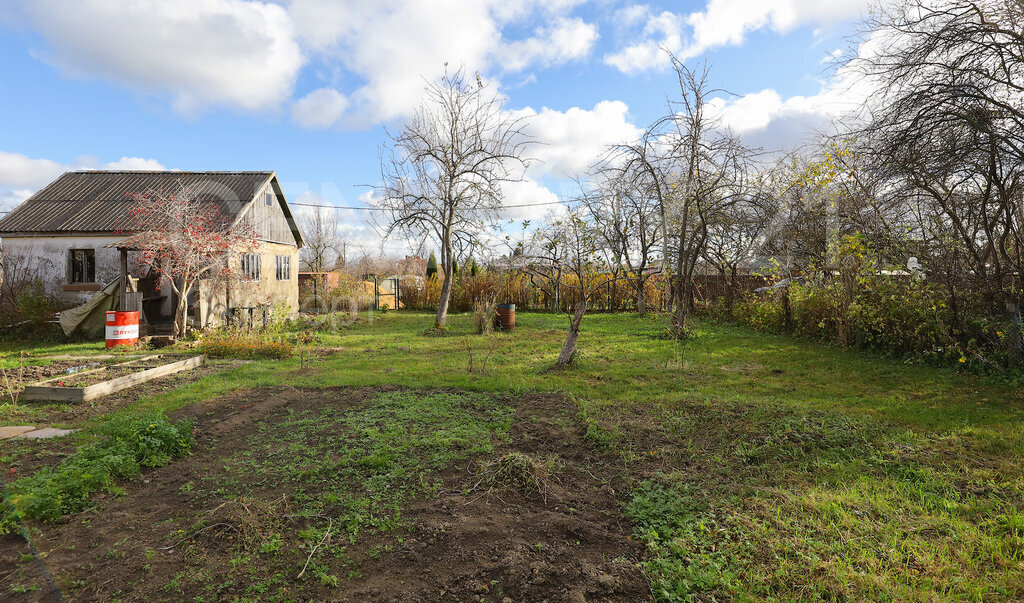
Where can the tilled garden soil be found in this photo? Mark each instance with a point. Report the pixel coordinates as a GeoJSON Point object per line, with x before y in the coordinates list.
{"type": "Point", "coordinates": [565, 540]}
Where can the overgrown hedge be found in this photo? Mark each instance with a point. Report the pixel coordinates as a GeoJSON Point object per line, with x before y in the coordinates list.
{"type": "Point", "coordinates": [896, 315]}
{"type": "Point", "coordinates": [241, 343]}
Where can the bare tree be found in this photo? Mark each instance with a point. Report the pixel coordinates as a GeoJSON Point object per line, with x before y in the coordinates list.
{"type": "Point", "coordinates": [627, 218]}
{"type": "Point", "coordinates": [442, 174]}
{"type": "Point", "coordinates": [565, 254]}
{"type": "Point", "coordinates": [710, 174]}
{"type": "Point", "coordinates": [736, 235]}
{"type": "Point", "coordinates": [324, 245]}
{"type": "Point", "coordinates": [946, 132]}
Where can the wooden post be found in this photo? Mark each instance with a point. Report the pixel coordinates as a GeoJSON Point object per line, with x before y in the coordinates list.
{"type": "Point", "coordinates": [124, 268]}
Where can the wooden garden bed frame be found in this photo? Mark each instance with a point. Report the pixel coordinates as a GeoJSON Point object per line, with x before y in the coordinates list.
{"type": "Point", "coordinates": [42, 391]}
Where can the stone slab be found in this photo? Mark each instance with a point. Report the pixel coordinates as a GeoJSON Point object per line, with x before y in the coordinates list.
{"type": "Point", "coordinates": [45, 433]}
{"type": "Point", "coordinates": [11, 431]}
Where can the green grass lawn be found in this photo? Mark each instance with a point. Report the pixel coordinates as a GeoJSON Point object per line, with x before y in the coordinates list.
{"type": "Point", "coordinates": [13, 353]}
{"type": "Point", "coordinates": [759, 467]}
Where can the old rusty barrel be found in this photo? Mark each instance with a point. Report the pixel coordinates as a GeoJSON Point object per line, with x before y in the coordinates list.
{"type": "Point", "coordinates": [122, 328]}
{"type": "Point", "coordinates": [507, 316]}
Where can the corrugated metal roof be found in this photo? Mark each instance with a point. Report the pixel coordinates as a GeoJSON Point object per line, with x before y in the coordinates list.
{"type": "Point", "coordinates": [97, 201]}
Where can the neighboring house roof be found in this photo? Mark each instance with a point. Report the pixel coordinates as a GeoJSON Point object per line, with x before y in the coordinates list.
{"type": "Point", "coordinates": [98, 201]}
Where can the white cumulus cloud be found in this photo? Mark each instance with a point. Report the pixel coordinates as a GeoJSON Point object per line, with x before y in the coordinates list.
{"type": "Point", "coordinates": [569, 142]}
{"type": "Point", "coordinates": [394, 46]}
{"type": "Point", "coordinates": [721, 23]}
{"type": "Point", "coordinates": [21, 176]}
{"type": "Point", "coordinates": [19, 171]}
{"type": "Point", "coordinates": [233, 53]}
{"type": "Point", "coordinates": [134, 163]}
{"type": "Point", "coordinates": [320, 109]}
{"type": "Point", "coordinates": [766, 119]}
{"type": "Point", "coordinates": [563, 41]}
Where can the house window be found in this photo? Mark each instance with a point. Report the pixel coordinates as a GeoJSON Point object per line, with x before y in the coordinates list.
{"type": "Point", "coordinates": [268, 198]}
{"type": "Point", "coordinates": [283, 267]}
{"type": "Point", "coordinates": [82, 265]}
{"type": "Point", "coordinates": [251, 266]}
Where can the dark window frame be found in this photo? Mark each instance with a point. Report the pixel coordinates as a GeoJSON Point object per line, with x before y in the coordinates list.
{"type": "Point", "coordinates": [268, 199]}
{"type": "Point", "coordinates": [81, 269]}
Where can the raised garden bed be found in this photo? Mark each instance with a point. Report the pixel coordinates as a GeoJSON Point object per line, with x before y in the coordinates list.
{"type": "Point", "coordinates": [91, 384]}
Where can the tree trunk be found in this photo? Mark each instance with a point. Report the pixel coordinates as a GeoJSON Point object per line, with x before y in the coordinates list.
{"type": "Point", "coordinates": [641, 298]}
{"type": "Point", "coordinates": [682, 307]}
{"type": "Point", "coordinates": [446, 294]}
{"type": "Point", "coordinates": [1017, 342]}
{"type": "Point", "coordinates": [682, 313]}
{"type": "Point", "coordinates": [180, 315]}
{"type": "Point", "coordinates": [569, 349]}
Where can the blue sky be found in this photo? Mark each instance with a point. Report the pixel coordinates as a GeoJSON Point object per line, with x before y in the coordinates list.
{"type": "Point", "coordinates": [306, 87]}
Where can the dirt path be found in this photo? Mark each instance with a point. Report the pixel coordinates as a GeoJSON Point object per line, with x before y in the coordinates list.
{"type": "Point", "coordinates": [564, 539]}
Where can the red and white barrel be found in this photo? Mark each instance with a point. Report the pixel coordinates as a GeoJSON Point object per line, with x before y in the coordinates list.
{"type": "Point", "coordinates": [122, 328]}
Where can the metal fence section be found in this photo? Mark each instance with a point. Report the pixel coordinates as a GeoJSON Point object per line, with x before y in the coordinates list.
{"type": "Point", "coordinates": [387, 292]}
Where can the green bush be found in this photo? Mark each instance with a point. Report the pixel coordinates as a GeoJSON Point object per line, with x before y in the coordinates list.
{"type": "Point", "coordinates": [29, 311]}
{"type": "Point", "coordinates": [124, 448]}
{"type": "Point", "coordinates": [895, 315]}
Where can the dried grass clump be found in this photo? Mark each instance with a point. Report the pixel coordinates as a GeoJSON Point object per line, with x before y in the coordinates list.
{"type": "Point", "coordinates": [519, 471]}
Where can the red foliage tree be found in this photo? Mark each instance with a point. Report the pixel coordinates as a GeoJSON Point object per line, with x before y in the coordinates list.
{"type": "Point", "coordinates": [185, 237]}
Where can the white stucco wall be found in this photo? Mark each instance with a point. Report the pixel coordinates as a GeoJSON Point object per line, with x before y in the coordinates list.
{"type": "Point", "coordinates": [52, 257]}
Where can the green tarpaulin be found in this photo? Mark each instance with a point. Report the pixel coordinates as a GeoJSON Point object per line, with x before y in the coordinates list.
{"type": "Point", "coordinates": [89, 319]}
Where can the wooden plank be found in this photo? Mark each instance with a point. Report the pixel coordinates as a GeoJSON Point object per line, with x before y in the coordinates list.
{"type": "Point", "coordinates": [140, 359]}
{"type": "Point", "coordinates": [83, 394]}
{"type": "Point", "coordinates": [116, 385]}
{"type": "Point", "coordinates": [55, 394]}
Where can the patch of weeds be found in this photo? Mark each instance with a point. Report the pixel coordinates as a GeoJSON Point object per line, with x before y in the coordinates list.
{"type": "Point", "coordinates": [800, 438]}
{"type": "Point", "coordinates": [124, 449]}
{"type": "Point", "coordinates": [359, 466]}
{"type": "Point", "coordinates": [329, 580]}
{"type": "Point", "coordinates": [22, 588]}
{"type": "Point", "coordinates": [601, 436]}
{"type": "Point", "coordinates": [272, 544]}
{"type": "Point", "coordinates": [692, 551]}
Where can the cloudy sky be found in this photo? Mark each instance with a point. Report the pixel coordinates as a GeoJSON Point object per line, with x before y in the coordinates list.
{"type": "Point", "coordinates": [306, 87]}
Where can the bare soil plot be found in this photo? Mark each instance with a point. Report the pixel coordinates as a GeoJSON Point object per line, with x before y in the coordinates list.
{"type": "Point", "coordinates": [380, 494]}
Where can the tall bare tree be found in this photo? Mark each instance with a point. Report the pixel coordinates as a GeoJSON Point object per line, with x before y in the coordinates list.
{"type": "Point", "coordinates": [711, 172]}
{"type": "Point", "coordinates": [946, 132]}
{"type": "Point", "coordinates": [627, 217]}
{"type": "Point", "coordinates": [324, 247]}
{"type": "Point", "coordinates": [442, 173]}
